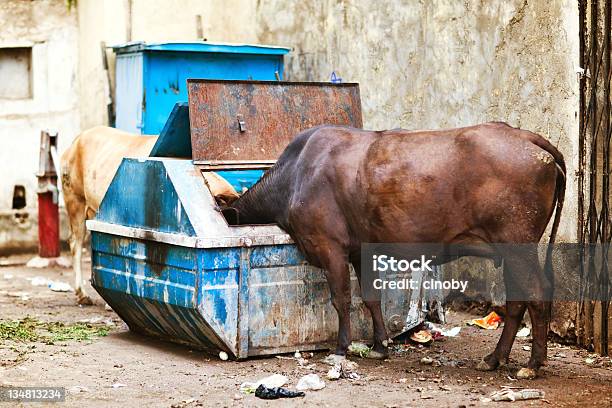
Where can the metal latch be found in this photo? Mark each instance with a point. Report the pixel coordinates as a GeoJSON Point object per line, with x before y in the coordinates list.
{"type": "Point", "coordinates": [241, 123]}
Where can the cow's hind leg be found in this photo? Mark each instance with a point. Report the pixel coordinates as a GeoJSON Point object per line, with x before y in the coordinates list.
{"type": "Point", "coordinates": [539, 312]}
{"type": "Point", "coordinates": [526, 287]}
{"type": "Point", "coordinates": [380, 348]}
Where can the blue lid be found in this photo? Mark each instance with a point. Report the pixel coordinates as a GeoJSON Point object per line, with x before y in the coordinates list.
{"type": "Point", "coordinates": [200, 46]}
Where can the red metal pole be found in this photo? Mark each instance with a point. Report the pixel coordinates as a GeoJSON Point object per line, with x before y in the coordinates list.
{"type": "Point", "coordinates": [48, 225]}
{"type": "Point", "coordinates": [48, 199]}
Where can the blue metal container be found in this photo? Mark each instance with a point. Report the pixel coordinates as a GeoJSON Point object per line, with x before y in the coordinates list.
{"type": "Point", "coordinates": [151, 78]}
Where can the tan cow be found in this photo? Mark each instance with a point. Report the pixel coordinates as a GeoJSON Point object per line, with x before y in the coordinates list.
{"type": "Point", "coordinates": [88, 167]}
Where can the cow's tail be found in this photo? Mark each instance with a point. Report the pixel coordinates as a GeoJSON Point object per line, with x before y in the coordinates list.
{"type": "Point", "coordinates": [558, 197]}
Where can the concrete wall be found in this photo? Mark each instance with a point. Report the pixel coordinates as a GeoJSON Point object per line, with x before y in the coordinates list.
{"type": "Point", "coordinates": [443, 63]}
{"type": "Point", "coordinates": [52, 32]}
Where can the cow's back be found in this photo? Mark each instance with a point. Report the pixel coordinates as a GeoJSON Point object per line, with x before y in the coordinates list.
{"type": "Point", "coordinates": [427, 186]}
{"type": "Point", "coordinates": [92, 160]}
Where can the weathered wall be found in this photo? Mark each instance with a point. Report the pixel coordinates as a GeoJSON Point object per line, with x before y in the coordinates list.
{"type": "Point", "coordinates": [443, 63]}
{"type": "Point", "coordinates": [51, 31]}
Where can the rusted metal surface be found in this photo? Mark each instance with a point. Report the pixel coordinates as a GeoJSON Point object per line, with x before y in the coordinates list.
{"type": "Point", "coordinates": [255, 120]}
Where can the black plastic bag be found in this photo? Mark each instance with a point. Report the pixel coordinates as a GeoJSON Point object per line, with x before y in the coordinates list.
{"type": "Point", "coordinates": [264, 392]}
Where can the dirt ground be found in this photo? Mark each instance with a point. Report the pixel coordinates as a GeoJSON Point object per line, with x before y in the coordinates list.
{"type": "Point", "coordinates": [124, 369]}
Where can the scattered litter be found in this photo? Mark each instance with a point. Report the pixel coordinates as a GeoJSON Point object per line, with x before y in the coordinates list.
{"type": "Point", "coordinates": [297, 354]}
{"type": "Point", "coordinates": [310, 382]}
{"type": "Point", "coordinates": [524, 332]}
{"type": "Point", "coordinates": [273, 381]}
{"type": "Point", "coordinates": [359, 349]}
{"type": "Point", "coordinates": [264, 392]}
{"type": "Point", "coordinates": [449, 362]}
{"type": "Point", "coordinates": [77, 389]}
{"type": "Point", "coordinates": [489, 322]}
{"type": "Point", "coordinates": [21, 295]}
{"type": "Point", "coordinates": [333, 359]}
{"type": "Point", "coordinates": [39, 281]}
{"type": "Point", "coordinates": [454, 332]}
{"type": "Point", "coordinates": [107, 307]}
{"type": "Point", "coordinates": [517, 395]}
{"type": "Point", "coordinates": [302, 362]}
{"type": "Point", "coordinates": [589, 360]}
{"type": "Point", "coordinates": [422, 337]}
{"type": "Point", "coordinates": [8, 276]}
{"type": "Point", "coordinates": [344, 369]}
{"type": "Point", "coordinates": [223, 355]}
{"type": "Point", "coordinates": [527, 348]}
{"type": "Point", "coordinates": [118, 385]}
{"type": "Point", "coordinates": [57, 286]}
{"type": "Point", "coordinates": [427, 360]}
{"type": "Point", "coordinates": [439, 332]}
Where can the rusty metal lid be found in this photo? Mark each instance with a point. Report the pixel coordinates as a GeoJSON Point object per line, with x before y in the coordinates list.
{"type": "Point", "coordinates": [256, 120]}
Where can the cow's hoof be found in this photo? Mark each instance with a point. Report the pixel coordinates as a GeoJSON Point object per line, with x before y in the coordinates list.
{"type": "Point", "coordinates": [82, 298]}
{"type": "Point", "coordinates": [526, 374]}
{"type": "Point", "coordinates": [377, 355]}
{"type": "Point", "coordinates": [483, 365]}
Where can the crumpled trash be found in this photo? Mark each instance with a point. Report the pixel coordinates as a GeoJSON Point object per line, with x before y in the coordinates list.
{"type": "Point", "coordinates": [333, 359]}
{"type": "Point", "coordinates": [517, 395]}
{"type": "Point", "coordinates": [264, 392]}
{"type": "Point", "coordinates": [57, 286]}
{"type": "Point", "coordinates": [310, 382]}
{"type": "Point", "coordinates": [427, 360]}
{"type": "Point", "coordinates": [524, 332]}
{"type": "Point", "coordinates": [453, 332]}
{"type": "Point", "coordinates": [359, 349]}
{"type": "Point", "coordinates": [223, 355]}
{"type": "Point", "coordinates": [118, 385]}
{"type": "Point", "coordinates": [343, 369]}
{"type": "Point", "coordinates": [39, 281]}
{"type": "Point", "coordinates": [422, 337]}
{"type": "Point", "coordinates": [273, 381]}
{"type": "Point", "coordinates": [489, 322]}
{"type": "Point", "coordinates": [75, 389]}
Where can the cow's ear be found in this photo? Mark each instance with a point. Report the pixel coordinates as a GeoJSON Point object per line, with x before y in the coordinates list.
{"type": "Point", "coordinates": [230, 214]}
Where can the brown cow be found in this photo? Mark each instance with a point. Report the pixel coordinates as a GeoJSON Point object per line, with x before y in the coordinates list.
{"type": "Point", "coordinates": [334, 188]}
{"type": "Point", "coordinates": [88, 167]}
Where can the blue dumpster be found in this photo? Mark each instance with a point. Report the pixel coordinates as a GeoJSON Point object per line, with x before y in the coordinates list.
{"type": "Point", "coordinates": [151, 78]}
{"type": "Point", "coordinates": [165, 259]}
